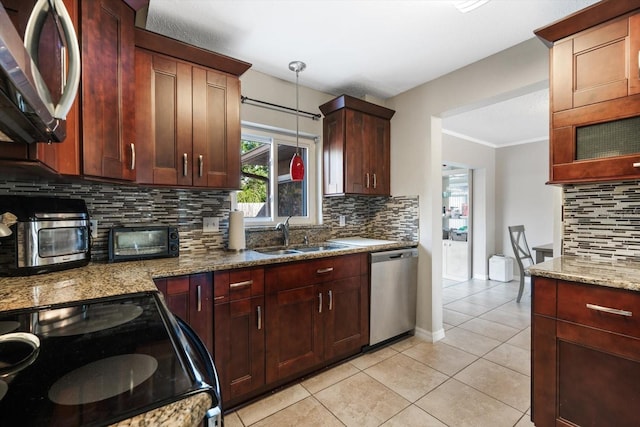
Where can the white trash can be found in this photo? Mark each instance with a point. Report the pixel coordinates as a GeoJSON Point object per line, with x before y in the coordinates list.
{"type": "Point", "coordinates": [501, 268]}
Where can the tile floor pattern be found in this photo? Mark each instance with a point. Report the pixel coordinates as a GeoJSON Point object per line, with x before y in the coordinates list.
{"type": "Point", "coordinates": [478, 375]}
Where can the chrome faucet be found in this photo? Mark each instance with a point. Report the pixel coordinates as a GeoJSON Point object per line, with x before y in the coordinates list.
{"type": "Point", "coordinates": [284, 226]}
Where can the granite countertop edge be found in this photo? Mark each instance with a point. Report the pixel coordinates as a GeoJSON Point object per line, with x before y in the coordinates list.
{"type": "Point", "coordinates": [619, 274]}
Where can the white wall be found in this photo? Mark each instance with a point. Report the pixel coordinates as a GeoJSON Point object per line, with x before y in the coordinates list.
{"type": "Point", "coordinates": [522, 196]}
{"type": "Point", "coordinates": [416, 157]}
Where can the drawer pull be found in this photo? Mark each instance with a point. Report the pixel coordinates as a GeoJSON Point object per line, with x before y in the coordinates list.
{"type": "Point", "coordinates": [241, 284]}
{"type": "Point", "coordinates": [636, 165]}
{"type": "Point", "coordinates": [219, 298]}
{"type": "Point", "coordinates": [324, 270]}
{"type": "Point", "coordinates": [609, 310]}
{"type": "Point", "coordinates": [199, 291]}
{"type": "Point", "coordinates": [259, 313]}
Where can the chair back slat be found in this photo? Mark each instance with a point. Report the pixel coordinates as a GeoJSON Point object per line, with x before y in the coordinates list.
{"type": "Point", "coordinates": [520, 246]}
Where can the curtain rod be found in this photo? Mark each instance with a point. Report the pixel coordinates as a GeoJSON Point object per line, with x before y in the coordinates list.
{"type": "Point", "coordinates": [269, 105]}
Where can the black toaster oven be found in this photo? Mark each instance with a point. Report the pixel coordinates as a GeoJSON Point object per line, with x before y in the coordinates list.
{"type": "Point", "coordinates": [143, 242]}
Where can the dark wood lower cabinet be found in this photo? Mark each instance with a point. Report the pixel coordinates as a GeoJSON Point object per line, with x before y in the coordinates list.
{"type": "Point", "coordinates": [585, 356]}
{"type": "Point", "coordinates": [191, 299]}
{"type": "Point", "coordinates": [317, 313]}
{"type": "Point", "coordinates": [268, 326]}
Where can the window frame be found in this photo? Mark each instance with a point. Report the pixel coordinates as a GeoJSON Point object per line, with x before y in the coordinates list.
{"type": "Point", "coordinates": [276, 136]}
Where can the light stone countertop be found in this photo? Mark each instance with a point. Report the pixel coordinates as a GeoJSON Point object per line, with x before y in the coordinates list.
{"type": "Point", "coordinates": [99, 280]}
{"type": "Point", "coordinates": [613, 274]}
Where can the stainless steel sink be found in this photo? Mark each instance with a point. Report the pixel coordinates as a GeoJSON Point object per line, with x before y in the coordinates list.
{"type": "Point", "coordinates": [324, 247]}
{"type": "Point", "coordinates": [277, 251]}
{"type": "Point", "coordinates": [300, 249]}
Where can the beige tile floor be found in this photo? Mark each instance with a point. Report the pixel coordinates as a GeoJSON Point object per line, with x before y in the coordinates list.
{"type": "Point", "coordinates": [478, 375]}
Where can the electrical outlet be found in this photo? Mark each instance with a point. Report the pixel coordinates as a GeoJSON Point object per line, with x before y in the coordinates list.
{"type": "Point", "coordinates": [210, 224]}
{"type": "Point", "coordinates": [94, 228]}
{"type": "Point", "coordinates": [343, 221]}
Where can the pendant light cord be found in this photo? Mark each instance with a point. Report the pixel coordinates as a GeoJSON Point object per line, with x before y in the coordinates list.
{"type": "Point", "coordinates": [297, 113]}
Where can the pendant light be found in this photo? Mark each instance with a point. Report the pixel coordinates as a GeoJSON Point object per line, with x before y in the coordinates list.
{"type": "Point", "coordinates": [296, 167]}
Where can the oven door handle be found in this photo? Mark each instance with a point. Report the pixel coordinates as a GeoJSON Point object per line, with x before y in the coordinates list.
{"type": "Point", "coordinates": [203, 353]}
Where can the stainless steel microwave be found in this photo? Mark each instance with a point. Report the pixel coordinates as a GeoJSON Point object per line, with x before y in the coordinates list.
{"type": "Point", "coordinates": [49, 234]}
{"type": "Point", "coordinates": [143, 242]}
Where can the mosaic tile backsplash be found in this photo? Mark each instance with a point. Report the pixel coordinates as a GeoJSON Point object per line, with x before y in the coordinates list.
{"type": "Point", "coordinates": [602, 220]}
{"type": "Point", "coordinates": [393, 218]}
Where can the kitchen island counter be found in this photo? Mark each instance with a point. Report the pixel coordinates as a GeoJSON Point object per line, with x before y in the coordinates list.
{"type": "Point", "coordinates": [613, 274]}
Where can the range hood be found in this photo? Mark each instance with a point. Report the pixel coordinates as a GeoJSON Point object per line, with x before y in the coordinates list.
{"type": "Point", "coordinates": [27, 113]}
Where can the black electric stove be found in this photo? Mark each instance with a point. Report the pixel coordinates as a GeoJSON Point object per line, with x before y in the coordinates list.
{"type": "Point", "coordinates": [96, 363]}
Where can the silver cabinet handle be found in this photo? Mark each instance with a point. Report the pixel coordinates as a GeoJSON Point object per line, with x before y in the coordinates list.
{"type": "Point", "coordinates": [636, 165]}
{"type": "Point", "coordinates": [324, 270]}
{"type": "Point", "coordinates": [241, 284]}
{"type": "Point", "coordinates": [367, 180]}
{"type": "Point", "coordinates": [133, 156]}
{"type": "Point", "coordinates": [200, 164]}
{"type": "Point", "coordinates": [375, 181]}
{"type": "Point", "coordinates": [330, 300]}
{"type": "Point", "coordinates": [199, 292]}
{"type": "Point", "coordinates": [320, 302]}
{"type": "Point", "coordinates": [185, 162]}
{"type": "Point", "coordinates": [259, 314]}
{"type": "Point", "coordinates": [610, 310]}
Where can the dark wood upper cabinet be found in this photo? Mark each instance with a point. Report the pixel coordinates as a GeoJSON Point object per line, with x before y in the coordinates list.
{"type": "Point", "coordinates": [187, 115]}
{"type": "Point", "coordinates": [595, 93]}
{"type": "Point", "coordinates": [108, 85]}
{"type": "Point", "coordinates": [356, 147]}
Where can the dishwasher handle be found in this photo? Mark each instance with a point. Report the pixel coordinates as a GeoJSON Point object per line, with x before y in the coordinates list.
{"type": "Point", "coordinates": [393, 255]}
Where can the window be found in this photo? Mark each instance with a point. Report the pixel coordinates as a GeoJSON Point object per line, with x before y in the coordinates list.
{"type": "Point", "coordinates": [268, 195]}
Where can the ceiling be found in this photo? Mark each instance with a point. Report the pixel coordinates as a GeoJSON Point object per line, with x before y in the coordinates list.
{"type": "Point", "coordinates": [378, 48]}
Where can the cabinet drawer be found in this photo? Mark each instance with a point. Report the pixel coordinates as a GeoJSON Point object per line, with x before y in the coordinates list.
{"type": "Point", "coordinates": [232, 285]}
{"type": "Point", "coordinates": [289, 276]}
{"type": "Point", "coordinates": [613, 310]}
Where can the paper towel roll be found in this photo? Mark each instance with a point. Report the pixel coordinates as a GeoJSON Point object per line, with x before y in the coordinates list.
{"type": "Point", "coordinates": [236, 231]}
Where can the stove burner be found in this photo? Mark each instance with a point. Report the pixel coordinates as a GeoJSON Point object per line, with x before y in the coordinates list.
{"type": "Point", "coordinates": [103, 379]}
{"type": "Point", "coordinates": [17, 351]}
{"type": "Point", "coordinates": [89, 319]}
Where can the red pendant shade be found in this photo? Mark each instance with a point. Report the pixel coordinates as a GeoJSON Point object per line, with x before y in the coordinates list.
{"type": "Point", "coordinates": [296, 168]}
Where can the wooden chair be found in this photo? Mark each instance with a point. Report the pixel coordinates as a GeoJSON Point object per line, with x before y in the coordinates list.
{"type": "Point", "coordinates": [521, 252]}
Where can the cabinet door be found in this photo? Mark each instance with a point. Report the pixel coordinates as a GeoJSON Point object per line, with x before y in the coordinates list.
{"type": "Point", "coordinates": [357, 153]}
{"type": "Point", "coordinates": [294, 331]}
{"type": "Point", "coordinates": [239, 346]}
{"type": "Point", "coordinates": [108, 102]}
{"type": "Point", "coordinates": [333, 152]}
{"type": "Point", "coordinates": [216, 129]}
{"type": "Point", "coordinates": [346, 326]}
{"type": "Point", "coordinates": [191, 299]}
{"type": "Point", "coordinates": [592, 67]}
{"type": "Point", "coordinates": [377, 136]}
{"type": "Point", "coordinates": [163, 119]}
{"type": "Point", "coordinates": [580, 397]}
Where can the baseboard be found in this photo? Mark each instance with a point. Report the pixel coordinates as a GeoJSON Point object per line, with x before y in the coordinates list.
{"type": "Point", "coordinates": [429, 336]}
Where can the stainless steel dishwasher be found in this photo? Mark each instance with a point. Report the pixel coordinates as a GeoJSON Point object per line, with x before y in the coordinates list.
{"type": "Point", "coordinates": [394, 277]}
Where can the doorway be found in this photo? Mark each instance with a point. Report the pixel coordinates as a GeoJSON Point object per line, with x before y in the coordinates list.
{"type": "Point", "coordinates": [456, 223]}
